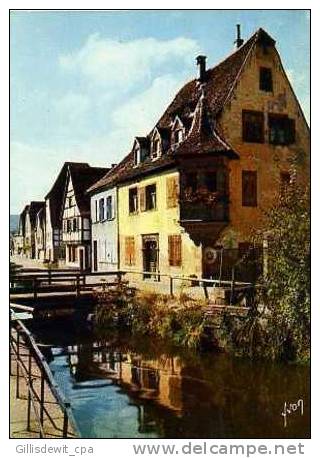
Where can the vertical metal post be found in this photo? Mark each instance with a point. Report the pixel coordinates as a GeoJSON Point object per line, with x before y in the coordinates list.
{"type": "Point", "coordinates": [29, 391]}
{"type": "Point", "coordinates": [119, 276]}
{"type": "Point", "coordinates": [10, 341]}
{"type": "Point", "coordinates": [171, 286]}
{"type": "Point", "coordinates": [220, 270]}
{"type": "Point", "coordinates": [49, 277]}
{"type": "Point", "coordinates": [41, 398]}
{"type": "Point", "coordinates": [18, 357]}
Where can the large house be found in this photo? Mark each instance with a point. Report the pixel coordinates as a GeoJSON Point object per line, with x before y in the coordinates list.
{"type": "Point", "coordinates": [75, 214]}
{"type": "Point", "coordinates": [200, 181]}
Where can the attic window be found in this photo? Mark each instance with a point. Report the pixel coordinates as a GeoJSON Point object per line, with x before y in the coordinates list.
{"type": "Point", "coordinates": [178, 136]}
{"type": "Point", "coordinates": [136, 156]}
{"type": "Point", "coordinates": [266, 79]}
{"type": "Point", "coordinates": [155, 148]}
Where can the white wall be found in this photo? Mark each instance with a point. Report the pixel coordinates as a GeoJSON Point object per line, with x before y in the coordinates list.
{"type": "Point", "coordinates": [105, 232]}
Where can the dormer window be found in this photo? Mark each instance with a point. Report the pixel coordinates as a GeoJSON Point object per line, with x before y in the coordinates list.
{"type": "Point", "coordinates": [177, 132]}
{"type": "Point", "coordinates": [136, 156]}
{"type": "Point", "coordinates": [155, 148]}
{"type": "Point", "coordinates": [178, 136]}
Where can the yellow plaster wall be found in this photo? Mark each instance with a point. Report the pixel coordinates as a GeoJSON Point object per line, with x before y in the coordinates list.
{"type": "Point", "coordinates": [268, 160]}
{"type": "Point", "coordinates": [163, 221]}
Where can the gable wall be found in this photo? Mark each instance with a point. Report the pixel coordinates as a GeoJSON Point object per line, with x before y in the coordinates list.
{"type": "Point", "coordinates": [265, 158]}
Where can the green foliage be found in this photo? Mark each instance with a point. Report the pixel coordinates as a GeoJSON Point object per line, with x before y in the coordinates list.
{"type": "Point", "coordinates": [180, 321]}
{"type": "Point", "coordinates": [287, 284]}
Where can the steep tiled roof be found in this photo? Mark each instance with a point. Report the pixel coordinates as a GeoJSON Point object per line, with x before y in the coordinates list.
{"type": "Point", "coordinates": [82, 179]}
{"type": "Point", "coordinates": [34, 208]}
{"type": "Point", "coordinates": [197, 104]}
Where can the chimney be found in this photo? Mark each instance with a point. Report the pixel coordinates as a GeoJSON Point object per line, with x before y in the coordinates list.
{"type": "Point", "coordinates": [113, 166]}
{"type": "Point", "coordinates": [239, 41]}
{"type": "Point", "coordinates": [201, 61]}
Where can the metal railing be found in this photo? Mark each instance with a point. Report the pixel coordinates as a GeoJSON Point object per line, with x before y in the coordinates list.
{"type": "Point", "coordinates": [20, 337]}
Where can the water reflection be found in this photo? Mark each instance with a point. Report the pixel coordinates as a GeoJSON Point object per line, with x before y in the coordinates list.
{"type": "Point", "coordinates": [120, 387]}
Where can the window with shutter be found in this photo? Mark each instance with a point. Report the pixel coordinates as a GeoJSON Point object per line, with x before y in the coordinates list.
{"type": "Point", "coordinates": [172, 192]}
{"type": "Point", "coordinates": [129, 251]}
{"type": "Point", "coordinates": [266, 79]}
{"type": "Point", "coordinates": [174, 248]}
{"type": "Point", "coordinates": [133, 200]}
{"type": "Point", "coordinates": [249, 188]}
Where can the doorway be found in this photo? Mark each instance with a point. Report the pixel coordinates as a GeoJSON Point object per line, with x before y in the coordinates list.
{"type": "Point", "coordinates": [150, 250]}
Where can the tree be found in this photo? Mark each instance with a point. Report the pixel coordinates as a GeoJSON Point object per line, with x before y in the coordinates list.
{"type": "Point", "coordinates": [287, 282]}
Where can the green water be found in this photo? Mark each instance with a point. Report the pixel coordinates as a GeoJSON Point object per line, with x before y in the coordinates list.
{"type": "Point", "coordinates": [121, 386]}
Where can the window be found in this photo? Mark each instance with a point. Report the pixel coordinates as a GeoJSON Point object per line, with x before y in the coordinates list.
{"type": "Point", "coordinates": [178, 136]}
{"type": "Point", "coordinates": [266, 79]}
{"type": "Point", "coordinates": [281, 129]}
{"type": "Point", "coordinates": [249, 188]}
{"type": "Point", "coordinates": [174, 248]}
{"type": "Point", "coordinates": [96, 210]}
{"type": "Point", "coordinates": [192, 181]}
{"type": "Point", "coordinates": [285, 179]}
{"type": "Point", "coordinates": [210, 179]}
{"type": "Point", "coordinates": [101, 209]}
{"type": "Point", "coordinates": [74, 224]}
{"type": "Point", "coordinates": [133, 200]}
{"type": "Point", "coordinates": [151, 197]}
{"type": "Point", "coordinates": [109, 208]}
{"type": "Point", "coordinates": [68, 225]}
{"type": "Point", "coordinates": [129, 251]}
{"type": "Point", "coordinates": [136, 156]}
{"type": "Point", "coordinates": [155, 148]}
{"type": "Point", "coordinates": [172, 192]}
{"type": "Point", "coordinates": [252, 126]}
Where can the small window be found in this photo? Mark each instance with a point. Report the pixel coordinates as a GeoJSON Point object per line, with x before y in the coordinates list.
{"type": "Point", "coordinates": [68, 225]}
{"type": "Point", "coordinates": [129, 251]}
{"type": "Point", "coordinates": [281, 130]}
{"type": "Point", "coordinates": [174, 248]}
{"type": "Point", "coordinates": [70, 201]}
{"type": "Point", "coordinates": [136, 156]}
{"type": "Point", "coordinates": [285, 179]}
{"type": "Point", "coordinates": [155, 148]}
{"type": "Point", "coordinates": [101, 209]}
{"type": "Point", "coordinates": [109, 208]}
{"type": "Point", "coordinates": [252, 126]}
{"type": "Point", "coordinates": [133, 200]}
{"type": "Point", "coordinates": [249, 188]}
{"type": "Point", "coordinates": [178, 136]}
{"type": "Point", "coordinates": [96, 210]}
{"type": "Point", "coordinates": [74, 225]}
{"type": "Point", "coordinates": [266, 79]}
{"type": "Point", "coordinates": [192, 181]}
{"type": "Point", "coordinates": [210, 179]}
{"type": "Point", "coordinates": [151, 197]}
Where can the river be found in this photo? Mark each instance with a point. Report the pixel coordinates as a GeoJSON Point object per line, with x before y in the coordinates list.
{"type": "Point", "coordinates": [121, 386]}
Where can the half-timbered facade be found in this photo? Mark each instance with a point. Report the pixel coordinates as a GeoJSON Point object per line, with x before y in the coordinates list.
{"type": "Point", "coordinates": [75, 214]}
{"type": "Point", "coordinates": [30, 228]}
{"type": "Point", "coordinates": [40, 234]}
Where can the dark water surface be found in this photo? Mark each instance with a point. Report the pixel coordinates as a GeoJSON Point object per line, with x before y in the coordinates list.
{"type": "Point", "coordinates": [120, 386]}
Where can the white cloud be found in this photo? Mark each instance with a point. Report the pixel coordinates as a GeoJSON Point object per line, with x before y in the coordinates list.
{"type": "Point", "coordinates": [124, 64]}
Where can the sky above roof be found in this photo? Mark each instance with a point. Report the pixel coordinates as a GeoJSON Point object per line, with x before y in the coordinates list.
{"type": "Point", "coordinates": [84, 83]}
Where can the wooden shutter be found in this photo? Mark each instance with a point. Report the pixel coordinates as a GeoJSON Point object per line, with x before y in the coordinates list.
{"type": "Point", "coordinates": [142, 199]}
{"type": "Point", "coordinates": [174, 248]}
{"type": "Point", "coordinates": [172, 192]}
{"type": "Point", "coordinates": [249, 188]}
{"type": "Point", "coordinates": [129, 251]}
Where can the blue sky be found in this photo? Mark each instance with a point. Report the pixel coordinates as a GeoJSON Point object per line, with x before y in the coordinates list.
{"type": "Point", "coordinates": [84, 83]}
